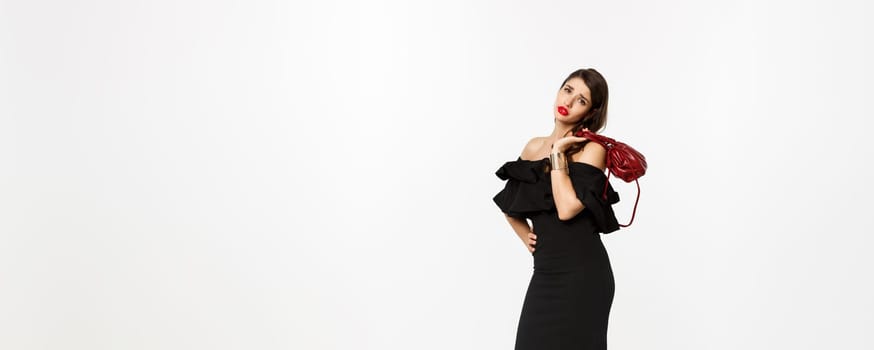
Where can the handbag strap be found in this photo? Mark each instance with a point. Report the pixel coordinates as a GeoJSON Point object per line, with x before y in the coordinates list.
{"type": "Point", "coordinates": [607, 182]}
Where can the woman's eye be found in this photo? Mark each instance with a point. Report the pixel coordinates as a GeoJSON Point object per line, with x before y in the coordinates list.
{"type": "Point", "coordinates": [583, 102]}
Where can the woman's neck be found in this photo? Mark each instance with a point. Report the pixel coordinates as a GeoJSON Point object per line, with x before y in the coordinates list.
{"type": "Point", "coordinates": [559, 131]}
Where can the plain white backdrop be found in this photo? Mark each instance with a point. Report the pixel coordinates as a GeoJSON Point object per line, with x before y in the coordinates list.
{"type": "Point", "coordinates": [319, 175]}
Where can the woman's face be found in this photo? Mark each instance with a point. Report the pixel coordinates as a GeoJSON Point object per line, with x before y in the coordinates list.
{"type": "Point", "coordinates": [573, 101]}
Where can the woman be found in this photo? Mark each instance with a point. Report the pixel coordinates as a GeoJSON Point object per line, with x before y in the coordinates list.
{"type": "Point", "coordinates": [558, 183]}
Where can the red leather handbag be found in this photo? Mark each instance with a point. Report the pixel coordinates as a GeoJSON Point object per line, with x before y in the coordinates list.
{"type": "Point", "coordinates": [622, 160]}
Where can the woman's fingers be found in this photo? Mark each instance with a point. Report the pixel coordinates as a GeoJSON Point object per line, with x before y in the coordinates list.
{"type": "Point", "coordinates": [532, 240]}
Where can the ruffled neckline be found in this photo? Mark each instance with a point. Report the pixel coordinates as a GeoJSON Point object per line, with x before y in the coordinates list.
{"type": "Point", "coordinates": [532, 160]}
{"type": "Point", "coordinates": [521, 169]}
{"type": "Point", "coordinates": [528, 190]}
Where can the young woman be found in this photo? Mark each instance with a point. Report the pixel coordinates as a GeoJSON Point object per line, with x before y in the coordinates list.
{"type": "Point", "coordinates": [558, 183]}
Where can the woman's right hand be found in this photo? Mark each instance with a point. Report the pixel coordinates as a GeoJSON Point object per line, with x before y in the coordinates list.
{"type": "Point", "coordinates": [530, 241]}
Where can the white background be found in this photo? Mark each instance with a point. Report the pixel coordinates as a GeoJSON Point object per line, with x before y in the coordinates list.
{"type": "Point", "coordinates": [319, 175]}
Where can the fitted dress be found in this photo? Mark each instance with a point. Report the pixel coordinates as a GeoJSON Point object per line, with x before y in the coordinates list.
{"type": "Point", "coordinates": [568, 300]}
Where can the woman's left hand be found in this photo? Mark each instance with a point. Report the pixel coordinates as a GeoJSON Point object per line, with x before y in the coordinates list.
{"type": "Point", "coordinates": [564, 143]}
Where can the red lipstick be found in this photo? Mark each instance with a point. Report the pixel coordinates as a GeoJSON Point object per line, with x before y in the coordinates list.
{"type": "Point", "coordinates": [562, 110]}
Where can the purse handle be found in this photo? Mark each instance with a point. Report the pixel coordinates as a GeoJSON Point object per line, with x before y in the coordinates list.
{"type": "Point", "coordinates": [634, 158]}
{"type": "Point", "coordinates": [635, 201]}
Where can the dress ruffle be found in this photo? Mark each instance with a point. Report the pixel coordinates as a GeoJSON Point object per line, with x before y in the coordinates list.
{"type": "Point", "coordinates": [588, 182]}
{"type": "Point", "coordinates": [528, 191]}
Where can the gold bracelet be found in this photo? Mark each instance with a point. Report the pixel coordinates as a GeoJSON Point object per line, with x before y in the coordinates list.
{"type": "Point", "coordinates": [558, 161]}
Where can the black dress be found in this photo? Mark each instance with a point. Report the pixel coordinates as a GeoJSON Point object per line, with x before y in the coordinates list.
{"type": "Point", "coordinates": [568, 301]}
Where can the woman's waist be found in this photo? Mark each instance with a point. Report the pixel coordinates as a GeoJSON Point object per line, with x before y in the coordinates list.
{"type": "Point", "coordinates": [566, 252]}
{"type": "Point", "coordinates": [549, 222]}
{"type": "Point", "coordinates": [568, 260]}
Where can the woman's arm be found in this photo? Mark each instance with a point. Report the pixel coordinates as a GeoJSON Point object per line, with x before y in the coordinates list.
{"type": "Point", "coordinates": [522, 229]}
{"type": "Point", "coordinates": [567, 204]}
{"type": "Point", "coordinates": [520, 226]}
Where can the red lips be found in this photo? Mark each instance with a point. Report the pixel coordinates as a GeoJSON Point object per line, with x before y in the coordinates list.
{"type": "Point", "coordinates": [562, 110]}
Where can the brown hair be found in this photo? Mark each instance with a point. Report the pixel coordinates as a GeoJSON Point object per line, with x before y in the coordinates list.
{"type": "Point", "coordinates": [596, 118]}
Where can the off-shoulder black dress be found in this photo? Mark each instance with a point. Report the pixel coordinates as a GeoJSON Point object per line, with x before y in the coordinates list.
{"type": "Point", "coordinates": [568, 301]}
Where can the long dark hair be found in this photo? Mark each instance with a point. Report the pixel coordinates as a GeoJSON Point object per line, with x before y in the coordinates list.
{"type": "Point", "coordinates": [596, 118]}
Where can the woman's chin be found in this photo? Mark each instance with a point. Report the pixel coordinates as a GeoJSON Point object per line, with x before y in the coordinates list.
{"type": "Point", "coordinates": [563, 118]}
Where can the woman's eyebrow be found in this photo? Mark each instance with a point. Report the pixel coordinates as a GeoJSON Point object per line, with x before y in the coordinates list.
{"type": "Point", "coordinates": [581, 95]}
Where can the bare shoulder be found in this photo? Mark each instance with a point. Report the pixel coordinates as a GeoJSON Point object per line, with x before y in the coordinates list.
{"type": "Point", "coordinates": [532, 147]}
{"type": "Point", "coordinates": [593, 153]}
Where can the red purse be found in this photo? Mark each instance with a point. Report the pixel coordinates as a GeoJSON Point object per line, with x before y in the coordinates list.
{"type": "Point", "coordinates": [622, 160]}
